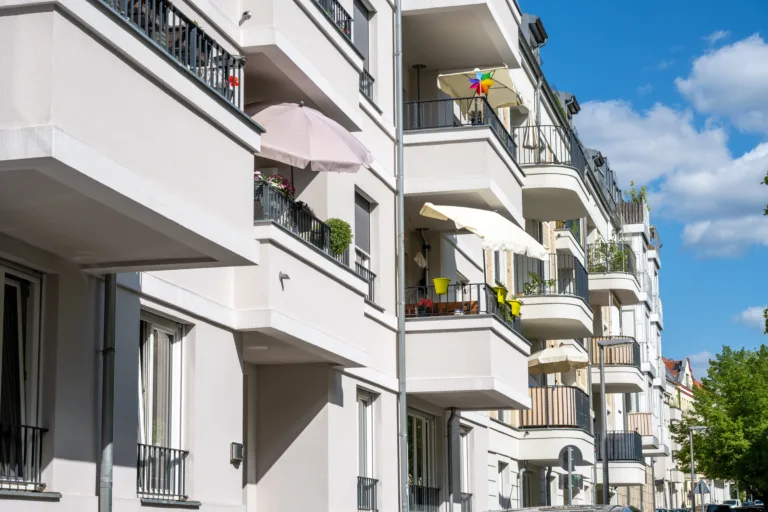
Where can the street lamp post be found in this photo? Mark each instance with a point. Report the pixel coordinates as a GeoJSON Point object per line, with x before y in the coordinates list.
{"type": "Point", "coordinates": [696, 428]}
{"type": "Point", "coordinates": [604, 416]}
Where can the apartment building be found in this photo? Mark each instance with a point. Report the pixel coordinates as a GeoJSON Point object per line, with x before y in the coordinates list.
{"type": "Point", "coordinates": [255, 367]}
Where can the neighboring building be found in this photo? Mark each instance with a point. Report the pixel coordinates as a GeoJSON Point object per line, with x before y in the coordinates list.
{"type": "Point", "coordinates": [255, 369]}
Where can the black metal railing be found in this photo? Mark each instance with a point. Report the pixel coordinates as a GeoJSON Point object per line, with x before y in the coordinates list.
{"type": "Point", "coordinates": [609, 257]}
{"type": "Point", "coordinates": [466, 502]}
{"type": "Point", "coordinates": [557, 407]}
{"type": "Point", "coordinates": [454, 113]}
{"type": "Point", "coordinates": [161, 473]}
{"type": "Point", "coordinates": [459, 299]}
{"type": "Point", "coordinates": [338, 15]}
{"type": "Point", "coordinates": [366, 84]}
{"type": "Point", "coordinates": [549, 145]}
{"type": "Point", "coordinates": [627, 354]}
{"type": "Point", "coordinates": [370, 277]}
{"type": "Point", "coordinates": [574, 226]}
{"type": "Point", "coordinates": [606, 180]}
{"type": "Point", "coordinates": [622, 445]}
{"type": "Point", "coordinates": [423, 499]}
{"type": "Point", "coordinates": [366, 493]}
{"type": "Point", "coordinates": [21, 449]}
{"type": "Point", "coordinates": [559, 274]}
{"type": "Point", "coordinates": [184, 41]}
{"type": "Point", "coordinates": [269, 203]}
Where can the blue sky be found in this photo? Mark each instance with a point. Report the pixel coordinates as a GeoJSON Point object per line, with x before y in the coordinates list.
{"type": "Point", "coordinates": [676, 95]}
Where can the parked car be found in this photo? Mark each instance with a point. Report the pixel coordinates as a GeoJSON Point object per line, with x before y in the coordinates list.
{"type": "Point", "coordinates": [713, 507]}
{"type": "Point", "coordinates": [732, 503]}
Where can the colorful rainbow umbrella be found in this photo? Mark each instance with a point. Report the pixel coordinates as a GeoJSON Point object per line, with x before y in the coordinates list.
{"type": "Point", "coordinates": [481, 82]}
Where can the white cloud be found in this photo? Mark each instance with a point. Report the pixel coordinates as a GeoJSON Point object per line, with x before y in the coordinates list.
{"type": "Point", "coordinates": [716, 36]}
{"type": "Point", "coordinates": [700, 364]}
{"type": "Point", "coordinates": [664, 64]}
{"type": "Point", "coordinates": [731, 82]}
{"type": "Point", "coordinates": [644, 89]}
{"type": "Point", "coordinates": [753, 317]}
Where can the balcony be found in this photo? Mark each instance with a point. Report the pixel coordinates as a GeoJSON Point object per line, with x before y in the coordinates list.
{"type": "Point", "coordinates": [625, 455]}
{"type": "Point", "coordinates": [559, 416]}
{"type": "Point", "coordinates": [464, 349]}
{"type": "Point", "coordinates": [675, 414]}
{"type": "Point", "coordinates": [423, 499]}
{"type": "Point", "coordinates": [676, 476]}
{"type": "Point", "coordinates": [642, 423]}
{"type": "Point", "coordinates": [657, 313]}
{"type": "Point", "coordinates": [568, 238]}
{"type": "Point", "coordinates": [634, 216]}
{"type": "Point", "coordinates": [613, 269]}
{"type": "Point", "coordinates": [169, 178]}
{"type": "Point", "coordinates": [622, 366]}
{"type": "Point", "coordinates": [274, 299]}
{"type": "Point", "coordinates": [554, 165]}
{"type": "Point", "coordinates": [21, 449]}
{"type": "Point", "coordinates": [556, 297]}
{"type": "Point", "coordinates": [430, 28]}
{"type": "Point", "coordinates": [367, 498]}
{"type": "Point", "coordinates": [459, 153]}
{"type": "Point", "coordinates": [161, 474]}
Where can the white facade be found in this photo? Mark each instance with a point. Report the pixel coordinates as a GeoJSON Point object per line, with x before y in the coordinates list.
{"type": "Point", "coordinates": [255, 370]}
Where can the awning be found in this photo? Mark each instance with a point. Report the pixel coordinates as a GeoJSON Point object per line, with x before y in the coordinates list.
{"type": "Point", "coordinates": [564, 358]}
{"type": "Point", "coordinates": [502, 93]}
{"type": "Point", "coordinates": [497, 232]}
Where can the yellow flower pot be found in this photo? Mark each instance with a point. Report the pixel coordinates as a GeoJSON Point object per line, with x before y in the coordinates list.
{"type": "Point", "coordinates": [515, 305]}
{"type": "Point", "coordinates": [501, 294]}
{"type": "Point", "coordinates": [441, 285]}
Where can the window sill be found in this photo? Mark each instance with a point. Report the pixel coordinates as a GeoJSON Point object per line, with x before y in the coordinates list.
{"type": "Point", "coordinates": [29, 495]}
{"type": "Point", "coordinates": [151, 502]}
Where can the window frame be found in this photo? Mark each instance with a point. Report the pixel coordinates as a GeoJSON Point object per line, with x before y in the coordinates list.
{"type": "Point", "coordinates": [427, 456]}
{"type": "Point", "coordinates": [366, 467]}
{"type": "Point", "coordinates": [465, 474]}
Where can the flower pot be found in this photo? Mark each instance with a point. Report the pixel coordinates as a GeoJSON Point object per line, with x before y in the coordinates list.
{"type": "Point", "coordinates": [501, 294]}
{"type": "Point", "coordinates": [441, 285]}
{"type": "Point", "coordinates": [515, 305]}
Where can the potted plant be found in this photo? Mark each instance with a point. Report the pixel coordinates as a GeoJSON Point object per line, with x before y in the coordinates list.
{"type": "Point", "coordinates": [441, 285]}
{"type": "Point", "coordinates": [501, 292]}
{"type": "Point", "coordinates": [424, 306]}
{"type": "Point", "coordinates": [536, 285]}
{"type": "Point", "coordinates": [515, 303]}
{"type": "Point", "coordinates": [341, 236]}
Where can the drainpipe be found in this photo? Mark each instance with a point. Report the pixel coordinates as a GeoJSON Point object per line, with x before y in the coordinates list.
{"type": "Point", "coordinates": [107, 394]}
{"type": "Point", "coordinates": [520, 489]}
{"type": "Point", "coordinates": [450, 434]}
{"type": "Point", "coordinates": [402, 394]}
{"type": "Point", "coordinates": [549, 487]}
{"type": "Point", "coordinates": [653, 481]}
{"type": "Point", "coordinates": [591, 421]}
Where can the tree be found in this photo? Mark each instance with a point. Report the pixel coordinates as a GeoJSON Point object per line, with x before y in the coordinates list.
{"type": "Point", "coordinates": [733, 404]}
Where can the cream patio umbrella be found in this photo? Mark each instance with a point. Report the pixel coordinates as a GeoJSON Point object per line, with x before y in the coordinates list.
{"type": "Point", "coordinates": [496, 232]}
{"type": "Point", "coordinates": [302, 137]}
{"type": "Point", "coordinates": [501, 93]}
{"type": "Point", "coordinates": [563, 358]}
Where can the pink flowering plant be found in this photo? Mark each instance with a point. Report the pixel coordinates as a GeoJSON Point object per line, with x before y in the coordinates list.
{"type": "Point", "coordinates": [277, 181]}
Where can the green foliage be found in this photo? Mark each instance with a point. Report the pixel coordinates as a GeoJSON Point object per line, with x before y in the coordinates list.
{"type": "Point", "coordinates": [536, 285]}
{"type": "Point", "coordinates": [636, 196]}
{"type": "Point", "coordinates": [733, 405]}
{"type": "Point", "coordinates": [341, 235]}
{"type": "Point", "coordinates": [609, 257]}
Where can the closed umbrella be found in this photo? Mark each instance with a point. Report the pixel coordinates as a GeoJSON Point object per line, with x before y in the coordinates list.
{"type": "Point", "coordinates": [302, 137]}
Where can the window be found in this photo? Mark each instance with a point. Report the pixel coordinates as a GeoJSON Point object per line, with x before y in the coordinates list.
{"type": "Point", "coordinates": [362, 224]}
{"type": "Point", "coordinates": [502, 481]}
{"type": "Point", "coordinates": [421, 441]}
{"type": "Point", "coordinates": [20, 438]}
{"type": "Point", "coordinates": [462, 287]}
{"type": "Point", "coordinates": [159, 382]}
{"type": "Point", "coordinates": [365, 434]}
{"type": "Point", "coordinates": [464, 449]}
{"type": "Point", "coordinates": [499, 266]}
{"type": "Point", "coordinates": [361, 36]}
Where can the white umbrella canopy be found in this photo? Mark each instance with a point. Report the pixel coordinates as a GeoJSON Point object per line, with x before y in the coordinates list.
{"type": "Point", "coordinates": [564, 358]}
{"type": "Point", "coordinates": [496, 232]}
{"type": "Point", "coordinates": [502, 93]}
{"type": "Point", "coordinates": [301, 136]}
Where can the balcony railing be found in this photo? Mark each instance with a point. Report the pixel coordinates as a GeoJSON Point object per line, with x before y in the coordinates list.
{"type": "Point", "coordinates": [269, 203]}
{"type": "Point", "coordinates": [423, 499]}
{"type": "Point", "coordinates": [466, 502]}
{"type": "Point", "coordinates": [549, 145]}
{"type": "Point", "coordinates": [161, 473]}
{"type": "Point", "coordinates": [557, 407]}
{"type": "Point", "coordinates": [366, 493]}
{"type": "Point", "coordinates": [610, 257]}
{"type": "Point", "coordinates": [632, 212]}
{"type": "Point", "coordinates": [658, 308]}
{"type": "Point", "coordinates": [338, 15]}
{"type": "Point", "coordinates": [622, 446]}
{"type": "Point", "coordinates": [574, 226]}
{"type": "Point", "coordinates": [454, 113]}
{"type": "Point", "coordinates": [366, 84]}
{"type": "Point", "coordinates": [618, 355]}
{"type": "Point", "coordinates": [370, 277]}
{"type": "Point", "coordinates": [460, 299]}
{"type": "Point", "coordinates": [640, 422]}
{"type": "Point", "coordinates": [183, 40]}
{"type": "Point", "coordinates": [21, 448]}
{"type": "Point", "coordinates": [559, 274]}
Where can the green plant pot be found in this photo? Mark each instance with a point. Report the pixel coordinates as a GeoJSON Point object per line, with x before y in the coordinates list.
{"type": "Point", "coordinates": [441, 285]}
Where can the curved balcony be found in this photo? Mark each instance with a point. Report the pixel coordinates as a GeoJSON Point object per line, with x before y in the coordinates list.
{"type": "Point", "coordinates": [464, 349]}
{"type": "Point", "coordinates": [613, 269]}
{"type": "Point", "coordinates": [622, 366]}
{"type": "Point", "coordinates": [556, 297]}
{"type": "Point", "coordinates": [554, 165]}
{"type": "Point", "coordinates": [626, 465]}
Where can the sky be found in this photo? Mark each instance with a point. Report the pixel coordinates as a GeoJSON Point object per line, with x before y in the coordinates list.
{"type": "Point", "coordinates": [675, 94]}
